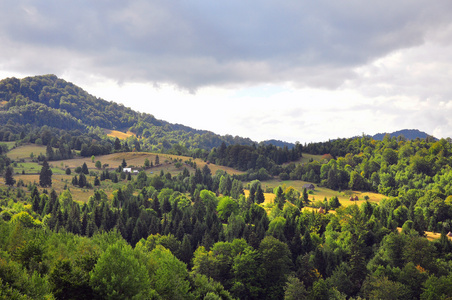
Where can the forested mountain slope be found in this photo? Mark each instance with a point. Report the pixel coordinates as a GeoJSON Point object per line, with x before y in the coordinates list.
{"type": "Point", "coordinates": [51, 101]}
{"type": "Point", "coordinates": [410, 134]}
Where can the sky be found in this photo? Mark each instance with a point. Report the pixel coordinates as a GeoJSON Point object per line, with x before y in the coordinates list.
{"type": "Point", "coordinates": [299, 70]}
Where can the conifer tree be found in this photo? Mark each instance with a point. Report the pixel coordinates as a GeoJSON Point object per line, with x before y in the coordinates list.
{"type": "Point", "coordinates": [260, 197]}
{"type": "Point", "coordinates": [117, 145]}
{"type": "Point", "coordinates": [9, 179]}
{"type": "Point", "coordinates": [45, 176]}
{"type": "Point", "coordinates": [82, 180]}
{"type": "Point", "coordinates": [85, 169]}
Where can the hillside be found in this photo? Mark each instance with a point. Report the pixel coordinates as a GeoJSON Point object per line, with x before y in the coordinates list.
{"type": "Point", "coordinates": [409, 134]}
{"type": "Point", "coordinates": [33, 102]}
{"type": "Point", "coordinates": [214, 228]}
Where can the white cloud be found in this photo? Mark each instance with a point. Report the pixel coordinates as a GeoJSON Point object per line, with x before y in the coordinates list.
{"type": "Point", "coordinates": [295, 70]}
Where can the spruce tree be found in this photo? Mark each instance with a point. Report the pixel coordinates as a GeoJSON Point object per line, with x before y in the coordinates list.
{"type": "Point", "coordinates": [96, 181]}
{"type": "Point", "coordinates": [117, 145]}
{"type": "Point", "coordinates": [85, 169]}
{"type": "Point", "coordinates": [82, 180]}
{"type": "Point", "coordinates": [9, 179]}
{"type": "Point", "coordinates": [260, 197]}
{"type": "Point", "coordinates": [45, 176]}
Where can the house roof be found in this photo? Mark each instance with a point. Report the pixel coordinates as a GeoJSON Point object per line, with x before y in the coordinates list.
{"type": "Point", "coordinates": [309, 186]}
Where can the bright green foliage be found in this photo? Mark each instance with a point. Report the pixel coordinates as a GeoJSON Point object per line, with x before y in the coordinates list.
{"type": "Point", "coordinates": [275, 263]}
{"type": "Point", "coordinates": [294, 289]}
{"type": "Point", "coordinates": [276, 228]}
{"type": "Point", "coordinates": [226, 207]}
{"type": "Point", "coordinates": [247, 275]}
{"type": "Point", "coordinates": [168, 274]}
{"type": "Point", "coordinates": [119, 275]}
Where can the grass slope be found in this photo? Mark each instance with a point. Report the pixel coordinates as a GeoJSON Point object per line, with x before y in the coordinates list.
{"type": "Point", "coordinates": [118, 134]}
{"type": "Point", "coordinates": [28, 171]}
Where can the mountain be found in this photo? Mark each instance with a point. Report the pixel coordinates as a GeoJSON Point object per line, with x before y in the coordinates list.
{"type": "Point", "coordinates": [410, 134]}
{"type": "Point", "coordinates": [278, 143]}
{"type": "Point", "coordinates": [28, 104]}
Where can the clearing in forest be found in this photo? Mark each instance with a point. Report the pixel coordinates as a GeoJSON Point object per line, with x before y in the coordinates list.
{"type": "Point", "coordinates": [118, 134]}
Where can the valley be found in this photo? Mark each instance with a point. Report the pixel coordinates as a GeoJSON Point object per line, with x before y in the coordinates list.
{"type": "Point", "coordinates": [90, 186]}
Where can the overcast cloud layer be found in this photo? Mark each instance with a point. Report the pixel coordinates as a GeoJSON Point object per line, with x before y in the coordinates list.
{"type": "Point", "coordinates": [292, 70]}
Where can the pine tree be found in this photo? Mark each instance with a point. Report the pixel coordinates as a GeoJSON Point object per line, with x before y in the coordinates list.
{"type": "Point", "coordinates": [96, 181]}
{"type": "Point", "coordinates": [85, 169]}
{"type": "Point", "coordinates": [186, 251]}
{"type": "Point", "coordinates": [35, 200]}
{"type": "Point", "coordinates": [252, 194]}
{"type": "Point", "coordinates": [280, 198]}
{"type": "Point", "coordinates": [45, 176]}
{"type": "Point", "coordinates": [82, 180]}
{"type": "Point", "coordinates": [260, 197]}
{"type": "Point", "coordinates": [305, 197]}
{"type": "Point", "coordinates": [117, 145]}
{"type": "Point", "coordinates": [9, 179]}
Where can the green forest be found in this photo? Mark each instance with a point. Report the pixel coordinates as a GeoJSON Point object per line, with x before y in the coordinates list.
{"type": "Point", "coordinates": [196, 234]}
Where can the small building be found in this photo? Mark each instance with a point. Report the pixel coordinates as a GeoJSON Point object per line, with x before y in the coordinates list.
{"type": "Point", "coordinates": [321, 210]}
{"type": "Point", "coordinates": [309, 186]}
{"type": "Point", "coordinates": [127, 170]}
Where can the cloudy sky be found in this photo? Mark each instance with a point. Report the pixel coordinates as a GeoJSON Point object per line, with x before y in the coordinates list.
{"type": "Point", "coordinates": [297, 70]}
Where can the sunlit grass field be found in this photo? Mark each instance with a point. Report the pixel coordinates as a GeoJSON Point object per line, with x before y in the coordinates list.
{"type": "Point", "coordinates": [24, 152]}
{"type": "Point", "coordinates": [118, 134]}
{"type": "Point", "coordinates": [28, 171]}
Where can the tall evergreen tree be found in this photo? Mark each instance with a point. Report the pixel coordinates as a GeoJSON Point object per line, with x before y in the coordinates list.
{"type": "Point", "coordinates": [45, 176]}
{"type": "Point", "coordinates": [9, 179]}
{"type": "Point", "coordinates": [260, 197]}
{"type": "Point", "coordinates": [85, 169]}
{"type": "Point", "coordinates": [82, 180]}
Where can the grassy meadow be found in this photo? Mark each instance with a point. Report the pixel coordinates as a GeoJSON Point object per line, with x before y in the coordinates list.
{"type": "Point", "coordinates": [118, 134]}
{"type": "Point", "coordinates": [321, 192]}
{"type": "Point", "coordinates": [27, 170]}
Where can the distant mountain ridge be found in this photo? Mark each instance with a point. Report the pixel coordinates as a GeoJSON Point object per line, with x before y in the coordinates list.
{"type": "Point", "coordinates": [278, 143]}
{"type": "Point", "coordinates": [410, 134]}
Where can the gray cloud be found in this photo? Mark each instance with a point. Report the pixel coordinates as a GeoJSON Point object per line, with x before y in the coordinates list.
{"type": "Point", "coordinates": [201, 43]}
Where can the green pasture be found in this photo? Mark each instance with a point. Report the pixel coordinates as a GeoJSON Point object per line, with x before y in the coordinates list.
{"type": "Point", "coordinates": [24, 152]}
{"type": "Point", "coordinates": [33, 168]}
{"type": "Point", "coordinates": [320, 193]}
{"type": "Point", "coordinates": [10, 145]}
